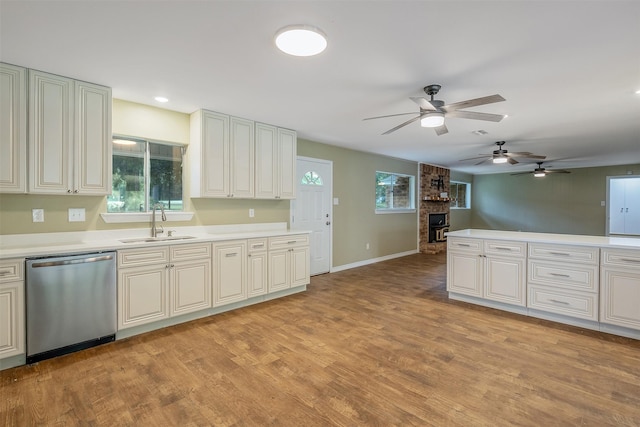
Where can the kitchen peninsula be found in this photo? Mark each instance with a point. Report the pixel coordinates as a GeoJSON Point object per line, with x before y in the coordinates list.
{"type": "Point", "coordinates": [587, 281]}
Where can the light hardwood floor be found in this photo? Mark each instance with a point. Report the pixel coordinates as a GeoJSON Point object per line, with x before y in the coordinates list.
{"type": "Point", "coordinates": [379, 345]}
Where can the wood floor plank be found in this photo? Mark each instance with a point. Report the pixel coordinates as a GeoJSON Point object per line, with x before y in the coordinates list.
{"type": "Point", "coordinates": [379, 345]}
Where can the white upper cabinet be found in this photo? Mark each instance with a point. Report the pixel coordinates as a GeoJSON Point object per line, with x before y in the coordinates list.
{"type": "Point", "coordinates": [275, 162]}
{"type": "Point", "coordinates": [13, 129]}
{"type": "Point", "coordinates": [69, 136]}
{"type": "Point", "coordinates": [222, 153]}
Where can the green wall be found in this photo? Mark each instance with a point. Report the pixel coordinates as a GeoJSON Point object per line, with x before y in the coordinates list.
{"type": "Point", "coordinates": [560, 203]}
{"type": "Point", "coordinates": [355, 222]}
{"type": "Point", "coordinates": [460, 219]}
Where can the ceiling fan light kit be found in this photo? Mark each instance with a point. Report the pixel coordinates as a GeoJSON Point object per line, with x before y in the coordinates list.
{"type": "Point", "coordinates": [432, 120]}
{"type": "Point", "coordinates": [301, 40]}
{"type": "Point", "coordinates": [540, 172]}
{"type": "Point", "coordinates": [500, 159]}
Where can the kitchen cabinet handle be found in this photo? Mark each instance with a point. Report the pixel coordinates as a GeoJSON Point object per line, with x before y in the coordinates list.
{"type": "Point", "coordinates": [258, 245]}
{"type": "Point", "coordinates": [463, 245]}
{"type": "Point", "coordinates": [559, 275]}
{"type": "Point", "coordinates": [560, 253]}
{"type": "Point", "coordinates": [502, 248]}
{"type": "Point", "coordinates": [5, 272]}
{"type": "Point", "coordinates": [559, 302]}
{"type": "Point", "coordinates": [231, 254]}
{"type": "Point", "coordinates": [629, 260]}
{"type": "Point", "coordinates": [291, 242]}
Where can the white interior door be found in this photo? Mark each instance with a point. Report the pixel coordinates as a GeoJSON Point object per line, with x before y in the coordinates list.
{"type": "Point", "coordinates": [624, 205]}
{"type": "Point", "coordinates": [312, 209]}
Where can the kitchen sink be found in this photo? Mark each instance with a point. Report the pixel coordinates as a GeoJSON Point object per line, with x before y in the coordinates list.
{"type": "Point", "coordinates": [156, 239]}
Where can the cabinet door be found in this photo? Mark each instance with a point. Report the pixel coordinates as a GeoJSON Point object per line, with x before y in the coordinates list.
{"type": "Point", "coordinates": [230, 272]}
{"type": "Point", "coordinates": [213, 158]}
{"type": "Point", "coordinates": [278, 270]}
{"type": "Point", "coordinates": [464, 273]}
{"type": "Point", "coordinates": [12, 330]}
{"type": "Point", "coordinates": [505, 280]}
{"type": "Point", "coordinates": [299, 266]}
{"type": "Point", "coordinates": [50, 133]}
{"type": "Point", "coordinates": [287, 141]}
{"type": "Point", "coordinates": [13, 129]}
{"type": "Point", "coordinates": [92, 138]}
{"type": "Point", "coordinates": [143, 295]}
{"type": "Point", "coordinates": [242, 158]}
{"type": "Point", "coordinates": [266, 172]}
{"type": "Point", "coordinates": [620, 297]}
{"type": "Point", "coordinates": [257, 274]}
{"type": "Point", "coordinates": [190, 286]}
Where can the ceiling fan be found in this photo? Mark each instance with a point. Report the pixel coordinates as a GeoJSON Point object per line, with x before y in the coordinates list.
{"type": "Point", "coordinates": [433, 111]}
{"type": "Point", "coordinates": [540, 171]}
{"type": "Point", "coordinates": [503, 156]}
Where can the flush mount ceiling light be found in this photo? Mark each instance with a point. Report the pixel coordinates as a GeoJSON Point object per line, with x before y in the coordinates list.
{"type": "Point", "coordinates": [432, 120]}
{"type": "Point", "coordinates": [301, 40]}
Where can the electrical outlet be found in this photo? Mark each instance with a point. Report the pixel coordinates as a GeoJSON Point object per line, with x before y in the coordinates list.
{"type": "Point", "coordinates": [367, 246]}
{"type": "Point", "coordinates": [37, 215]}
{"type": "Point", "coordinates": [76, 215]}
{"type": "Point", "coordinates": [252, 213]}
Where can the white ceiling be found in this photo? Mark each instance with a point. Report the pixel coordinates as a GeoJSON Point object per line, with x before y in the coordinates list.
{"type": "Point", "coordinates": [569, 70]}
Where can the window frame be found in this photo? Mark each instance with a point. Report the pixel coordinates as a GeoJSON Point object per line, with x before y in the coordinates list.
{"type": "Point", "coordinates": [412, 193]}
{"type": "Point", "coordinates": [467, 194]}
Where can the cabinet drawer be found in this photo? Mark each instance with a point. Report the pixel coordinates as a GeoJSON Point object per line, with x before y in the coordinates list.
{"type": "Point", "coordinates": [464, 245]}
{"type": "Point", "coordinates": [292, 240]}
{"type": "Point", "coordinates": [257, 245]}
{"type": "Point", "coordinates": [190, 251]}
{"type": "Point", "coordinates": [621, 258]}
{"type": "Point", "coordinates": [565, 276]}
{"type": "Point", "coordinates": [11, 270]}
{"type": "Point", "coordinates": [575, 304]}
{"type": "Point", "coordinates": [505, 248]}
{"type": "Point", "coordinates": [563, 253]}
{"type": "Point", "coordinates": [145, 256]}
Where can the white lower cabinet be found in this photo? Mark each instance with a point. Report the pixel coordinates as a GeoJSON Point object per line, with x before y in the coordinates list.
{"type": "Point", "coordinates": [620, 288]}
{"type": "Point", "coordinates": [563, 279]}
{"type": "Point", "coordinates": [493, 270]}
{"type": "Point", "coordinates": [288, 262]}
{"type": "Point", "coordinates": [230, 272]}
{"type": "Point", "coordinates": [161, 282]}
{"type": "Point", "coordinates": [257, 267]}
{"type": "Point", "coordinates": [12, 314]}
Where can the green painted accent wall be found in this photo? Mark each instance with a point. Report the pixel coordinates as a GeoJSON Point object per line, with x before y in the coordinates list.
{"type": "Point", "coordinates": [560, 203]}
{"type": "Point", "coordinates": [355, 222]}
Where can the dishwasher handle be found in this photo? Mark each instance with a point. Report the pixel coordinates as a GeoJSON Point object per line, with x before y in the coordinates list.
{"type": "Point", "coordinates": [71, 261]}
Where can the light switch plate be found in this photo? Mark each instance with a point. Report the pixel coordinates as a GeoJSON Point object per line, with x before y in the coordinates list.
{"type": "Point", "coordinates": [37, 215]}
{"type": "Point", "coordinates": [336, 201]}
{"type": "Point", "coordinates": [76, 215]}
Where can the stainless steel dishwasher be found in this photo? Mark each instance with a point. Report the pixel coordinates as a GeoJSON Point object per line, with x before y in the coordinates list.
{"type": "Point", "coordinates": [71, 303]}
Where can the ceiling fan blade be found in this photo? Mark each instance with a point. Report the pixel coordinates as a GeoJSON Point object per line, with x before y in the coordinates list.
{"type": "Point", "coordinates": [521, 173]}
{"type": "Point", "coordinates": [390, 115]}
{"type": "Point", "coordinates": [473, 102]}
{"type": "Point", "coordinates": [512, 161]}
{"type": "Point", "coordinates": [441, 130]}
{"type": "Point", "coordinates": [423, 103]}
{"type": "Point", "coordinates": [403, 124]}
{"type": "Point", "coordinates": [482, 156]}
{"type": "Point", "coordinates": [475, 115]}
{"type": "Point", "coordinates": [527, 155]}
{"type": "Point", "coordinates": [557, 171]}
{"type": "Point", "coordinates": [482, 161]}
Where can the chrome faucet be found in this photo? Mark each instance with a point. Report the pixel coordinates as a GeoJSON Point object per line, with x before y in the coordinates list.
{"type": "Point", "coordinates": [154, 228]}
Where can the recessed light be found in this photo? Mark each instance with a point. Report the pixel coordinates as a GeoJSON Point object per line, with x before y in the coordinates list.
{"type": "Point", "coordinates": [161, 99]}
{"type": "Point", "coordinates": [301, 40]}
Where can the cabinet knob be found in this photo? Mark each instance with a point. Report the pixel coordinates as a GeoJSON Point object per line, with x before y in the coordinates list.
{"type": "Point", "coordinates": [76, 191]}
{"type": "Point", "coordinates": [69, 191]}
{"type": "Point", "coordinates": [328, 222]}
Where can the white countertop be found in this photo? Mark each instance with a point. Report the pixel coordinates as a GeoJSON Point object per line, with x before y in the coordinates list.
{"type": "Point", "coordinates": [49, 244]}
{"type": "Point", "coordinates": [566, 239]}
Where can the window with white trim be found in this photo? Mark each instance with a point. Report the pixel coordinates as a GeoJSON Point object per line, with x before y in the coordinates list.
{"type": "Point", "coordinates": [395, 193]}
{"type": "Point", "coordinates": [460, 195]}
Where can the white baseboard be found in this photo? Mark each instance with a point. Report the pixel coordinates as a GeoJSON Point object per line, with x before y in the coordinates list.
{"type": "Point", "coordinates": [371, 261]}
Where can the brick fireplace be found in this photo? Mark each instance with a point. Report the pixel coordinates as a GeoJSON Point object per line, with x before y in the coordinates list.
{"type": "Point", "coordinates": [434, 199]}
